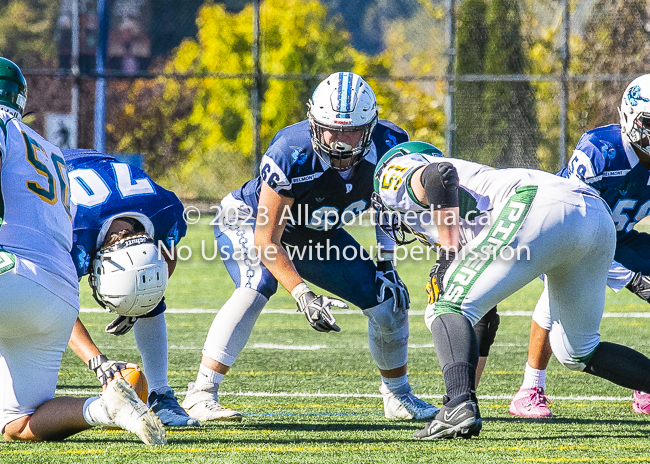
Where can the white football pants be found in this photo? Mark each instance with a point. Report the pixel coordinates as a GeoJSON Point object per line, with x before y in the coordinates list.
{"type": "Point", "coordinates": [35, 327]}
{"type": "Point", "coordinates": [571, 238]}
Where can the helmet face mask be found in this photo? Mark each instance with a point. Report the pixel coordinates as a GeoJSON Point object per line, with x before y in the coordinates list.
{"type": "Point", "coordinates": [130, 277]}
{"type": "Point", "coordinates": [13, 86]}
{"type": "Point", "coordinates": [390, 222]}
{"type": "Point", "coordinates": [342, 116]}
{"type": "Point", "coordinates": [635, 114]}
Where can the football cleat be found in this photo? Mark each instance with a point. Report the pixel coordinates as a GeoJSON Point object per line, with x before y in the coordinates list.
{"type": "Point", "coordinates": [530, 402]}
{"type": "Point", "coordinates": [641, 404]}
{"type": "Point", "coordinates": [406, 406]}
{"type": "Point", "coordinates": [128, 411]}
{"type": "Point", "coordinates": [166, 407]}
{"type": "Point", "coordinates": [462, 419]}
{"type": "Point", "coordinates": [202, 403]}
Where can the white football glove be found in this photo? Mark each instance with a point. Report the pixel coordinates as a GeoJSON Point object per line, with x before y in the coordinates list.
{"type": "Point", "coordinates": [104, 368]}
{"type": "Point", "coordinates": [387, 280]}
{"type": "Point", "coordinates": [121, 325]}
{"type": "Point", "coordinates": [317, 311]}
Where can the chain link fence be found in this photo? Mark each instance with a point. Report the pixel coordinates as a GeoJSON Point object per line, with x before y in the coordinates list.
{"type": "Point", "coordinates": [199, 89]}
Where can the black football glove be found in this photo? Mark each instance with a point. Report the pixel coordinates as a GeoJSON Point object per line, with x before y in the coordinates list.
{"type": "Point", "coordinates": [435, 286]}
{"type": "Point", "coordinates": [387, 280]}
{"type": "Point", "coordinates": [121, 325]}
{"type": "Point", "coordinates": [640, 286]}
{"type": "Point", "coordinates": [317, 310]}
{"type": "Point", "coordinates": [104, 368]}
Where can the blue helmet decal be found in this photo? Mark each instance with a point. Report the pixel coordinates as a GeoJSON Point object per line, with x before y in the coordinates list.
{"type": "Point", "coordinates": [634, 94]}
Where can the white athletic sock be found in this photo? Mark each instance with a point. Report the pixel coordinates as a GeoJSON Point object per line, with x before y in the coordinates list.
{"type": "Point", "coordinates": [398, 385]}
{"type": "Point", "coordinates": [207, 376]}
{"type": "Point", "coordinates": [151, 339]}
{"type": "Point", "coordinates": [534, 378]}
{"type": "Point", "coordinates": [95, 413]}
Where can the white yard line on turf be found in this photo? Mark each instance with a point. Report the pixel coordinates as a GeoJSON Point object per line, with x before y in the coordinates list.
{"type": "Point", "coordinates": [358, 395]}
{"type": "Point", "coordinates": [271, 346]}
{"type": "Point", "coordinates": [352, 311]}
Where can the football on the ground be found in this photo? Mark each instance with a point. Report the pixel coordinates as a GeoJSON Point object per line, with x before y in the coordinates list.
{"type": "Point", "coordinates": [138, 381]}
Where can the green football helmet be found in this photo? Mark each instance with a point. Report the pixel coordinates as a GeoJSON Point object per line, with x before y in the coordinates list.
{"type": "Point", "coordinates": [13, 86]}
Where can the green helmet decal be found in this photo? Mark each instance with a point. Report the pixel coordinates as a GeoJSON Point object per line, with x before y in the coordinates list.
{"type": "Point", "coordinates": [13, 86]}
{"type": "Point", "coordinates": [404, 149]}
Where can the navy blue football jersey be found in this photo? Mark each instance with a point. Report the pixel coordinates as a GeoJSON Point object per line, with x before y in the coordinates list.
{"type": "Point", "coordinates": [103, 189]}
{"type": "Point", "coordinates": [324, 199]}
{"type": "Point", "coordinates": [607, 162]}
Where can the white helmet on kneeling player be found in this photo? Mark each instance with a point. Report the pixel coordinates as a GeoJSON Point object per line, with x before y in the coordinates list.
{"type": "Point", "coordinates": [129, 277]}
{"type": "Point", "coordinates": [635, 113]}
{"type": "Point", "coordinates": [342, 115]}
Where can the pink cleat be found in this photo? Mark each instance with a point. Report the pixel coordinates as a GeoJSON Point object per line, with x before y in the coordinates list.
{"type": "Point", "coordinates": [641, 404]}
{"type": "Point", "coordinates": [532, 402]}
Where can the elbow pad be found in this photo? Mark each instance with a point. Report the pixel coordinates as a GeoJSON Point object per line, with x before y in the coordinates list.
{"type": "Point", "coordinates": [440, 182]}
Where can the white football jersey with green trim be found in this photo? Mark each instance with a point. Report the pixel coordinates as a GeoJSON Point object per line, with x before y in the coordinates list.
{"type": "Point", "coordinates": [35, 212]}
{"type": "Point", "coordinates": [481, 190]}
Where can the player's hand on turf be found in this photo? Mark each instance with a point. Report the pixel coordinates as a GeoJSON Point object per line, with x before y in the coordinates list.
{"type": "Point", "coordinates": [121, 325]}
{"type": "Point", "coordinates": [317, 310]}
{"type": "Point", "coordinates": [435, 286]}
{"type": "Point", "coordinates": [387, 280]}
{"type": "Point", "coordinates": [640, 286]}
{"type": "Point", "coordinates": [106, 369]}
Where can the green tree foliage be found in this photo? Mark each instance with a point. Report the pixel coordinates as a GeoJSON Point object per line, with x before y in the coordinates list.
{"type": "Point", "coordinates": [613, 40]}
{"type": "Point", "coordinates": [509, 106]}
{"type": "Point", "coordinates": [150, 119]}
{"type": "Point", "coordinates": [413, 48]}
{"type": "Point", "coordinates": [545, 60]}
{"type": "Point", "coordinates": [616, 41]}
{"type": "Point", "coordinates": [199, 129]}
{"type": "Point", "coordinates": [296, 38]}
{"type": "Point", "coordinates": [27, 30]}
{"type": "Point", "coordinates": [468, 98]}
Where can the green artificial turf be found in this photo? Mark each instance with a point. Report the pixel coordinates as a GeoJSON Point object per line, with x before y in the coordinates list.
{"type": "Point", "coordinates": [310, 397]}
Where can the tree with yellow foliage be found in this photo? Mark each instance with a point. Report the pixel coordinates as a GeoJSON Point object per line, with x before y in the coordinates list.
{"type": "Point", "coordinates": [206, 147]}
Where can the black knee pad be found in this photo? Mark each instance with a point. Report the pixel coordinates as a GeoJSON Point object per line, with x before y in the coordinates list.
{"type": "Point", "coordinates": [486, 331]}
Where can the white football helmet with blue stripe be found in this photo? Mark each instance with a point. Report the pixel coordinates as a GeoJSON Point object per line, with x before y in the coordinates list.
{"type": "Point", "coordinates": [635, 113]}
{"type": "Point", "coordinates": [343, 102]}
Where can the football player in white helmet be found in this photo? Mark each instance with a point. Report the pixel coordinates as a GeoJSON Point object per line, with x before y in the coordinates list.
{"type": "Point", "coordinates": [342, 121]}
{"type": "Point", "coordinates": [122, 216]}
{"type": "Point", "coordinates": [615, 161]}
{"type": "Point", "coordinates": [323, 165]}
{"type": "Point", "coordinates": [40, 292]}
{"type": "Point", "coordinates": [635, 114]}
{"type": "Point", "coordinates": [496, 230]}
